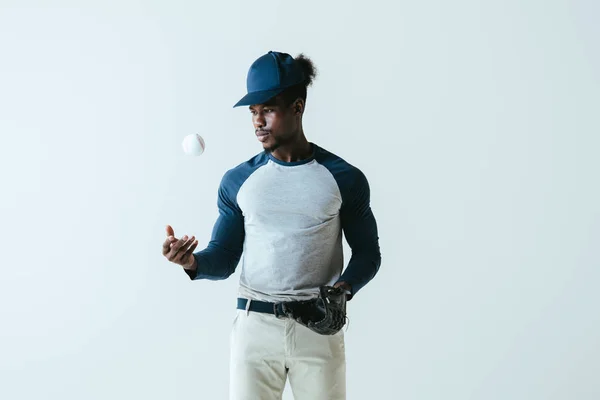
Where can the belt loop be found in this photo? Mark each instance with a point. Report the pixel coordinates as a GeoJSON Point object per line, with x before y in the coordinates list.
{"type": "Point", "coordinates": [248, 306]}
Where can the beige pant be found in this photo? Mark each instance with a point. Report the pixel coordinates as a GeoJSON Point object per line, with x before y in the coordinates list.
{"type": "Point", "coordinates": [266, 350]}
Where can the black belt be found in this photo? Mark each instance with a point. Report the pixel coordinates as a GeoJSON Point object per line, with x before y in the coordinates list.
{"type": "Point", "coordinates": [277, 309]}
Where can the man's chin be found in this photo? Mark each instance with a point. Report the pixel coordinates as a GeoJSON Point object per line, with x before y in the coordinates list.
{"type": "Point", "coordinates": [270, 147]}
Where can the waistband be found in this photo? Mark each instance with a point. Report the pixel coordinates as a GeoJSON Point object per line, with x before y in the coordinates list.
{"type": "Point", "coordinates": [276, 309]}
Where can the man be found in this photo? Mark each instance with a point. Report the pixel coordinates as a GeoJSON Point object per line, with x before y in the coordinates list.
{"type": "Point", "coordinates": [284, 211]}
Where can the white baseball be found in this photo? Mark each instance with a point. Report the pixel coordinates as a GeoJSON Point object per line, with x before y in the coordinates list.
{"type": "Point", "coordinates": [193, 144]}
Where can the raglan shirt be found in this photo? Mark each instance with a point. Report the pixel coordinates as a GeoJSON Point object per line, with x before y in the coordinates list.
{"type": "Point", "coordinates": [285, 221]}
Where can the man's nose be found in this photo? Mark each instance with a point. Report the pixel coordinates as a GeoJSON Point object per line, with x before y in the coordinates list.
{"type": "Point", "coordinates": [259, 121]}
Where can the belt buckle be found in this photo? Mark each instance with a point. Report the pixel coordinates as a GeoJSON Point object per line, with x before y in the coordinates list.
{"type": "Point", "coordinates": [283, 313]}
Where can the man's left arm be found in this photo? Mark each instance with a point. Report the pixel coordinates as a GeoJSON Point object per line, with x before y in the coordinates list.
{"type": "Point", "coordinates": [360, 229]}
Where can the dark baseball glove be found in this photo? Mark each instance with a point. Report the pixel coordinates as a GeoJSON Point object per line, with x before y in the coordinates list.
{"type": "Point", "coordinates": [325, 314]}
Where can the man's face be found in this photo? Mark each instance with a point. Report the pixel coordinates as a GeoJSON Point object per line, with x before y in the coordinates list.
{"type": "Point", "coordinates": [274, 123]}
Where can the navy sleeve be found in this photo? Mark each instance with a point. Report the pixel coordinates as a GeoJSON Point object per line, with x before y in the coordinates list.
{"type": "Point", "coordinates": [360, 229]}
{"type": "Point", "coordinates": [222, 255]}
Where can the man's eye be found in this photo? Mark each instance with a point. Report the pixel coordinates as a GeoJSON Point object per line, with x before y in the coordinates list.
{"type": "Point", "coordinates": [268, 110]}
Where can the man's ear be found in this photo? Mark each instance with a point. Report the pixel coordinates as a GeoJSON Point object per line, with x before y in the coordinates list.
{"type": "Point", "coordinates": [299, 107]}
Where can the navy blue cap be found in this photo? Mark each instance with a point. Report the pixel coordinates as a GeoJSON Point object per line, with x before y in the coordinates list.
{"type": "Point", "coordinates": [270, 75]}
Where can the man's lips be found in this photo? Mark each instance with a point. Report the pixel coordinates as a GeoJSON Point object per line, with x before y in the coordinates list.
{"type": "Point", "coordinates": [262, 135]}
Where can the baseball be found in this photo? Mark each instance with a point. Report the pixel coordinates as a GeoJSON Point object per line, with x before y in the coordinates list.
{"type": "Point", "coordinates": [193, 145]}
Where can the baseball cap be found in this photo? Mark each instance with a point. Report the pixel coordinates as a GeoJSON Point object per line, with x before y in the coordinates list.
{"type": "Point", "coordinates": [270, 75]}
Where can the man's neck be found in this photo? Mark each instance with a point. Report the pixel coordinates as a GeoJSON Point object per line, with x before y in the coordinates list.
{"type": "Point", "coordinates": [298, 150]}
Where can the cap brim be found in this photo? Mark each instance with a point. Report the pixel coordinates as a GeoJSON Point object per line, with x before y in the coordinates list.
{"type": "Point", "coordinates": [258, 97]}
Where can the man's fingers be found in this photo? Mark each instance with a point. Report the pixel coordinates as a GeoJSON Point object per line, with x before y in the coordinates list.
{"type": "Point", "coordinates": [168, 243]}
{"type": "Point", "coordinates": [191, 249]}
{"type": "Point", "coordinates": [166, 247]}
{"type": "Point", "coordinates": [178, 249]}
{"type": "Point", "coordinates": [187, 254]}
{"type": "Point", "coordinates": [175, 246]}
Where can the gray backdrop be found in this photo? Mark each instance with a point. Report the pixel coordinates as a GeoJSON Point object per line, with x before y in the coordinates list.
{"type": "Point", "coordinates": [476, 123]}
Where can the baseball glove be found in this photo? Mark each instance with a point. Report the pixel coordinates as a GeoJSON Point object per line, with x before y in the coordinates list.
{"type": "Point", "coordinates": [325, 314]}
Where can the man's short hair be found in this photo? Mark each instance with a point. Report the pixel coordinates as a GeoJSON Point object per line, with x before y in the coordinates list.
{"type": "Point", "coordinates": [299, 91]}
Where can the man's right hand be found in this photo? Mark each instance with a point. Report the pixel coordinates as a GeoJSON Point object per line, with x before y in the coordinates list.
{"type": "Point", "coordinates": [180, 251]}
